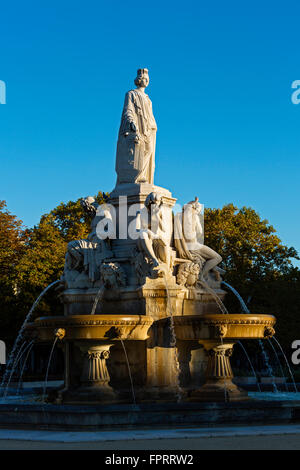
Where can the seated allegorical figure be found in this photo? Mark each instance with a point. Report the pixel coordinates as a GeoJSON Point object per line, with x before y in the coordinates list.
{"type": "Point", "coordinates": [84, 257]}
{"type": "Point", "coordinates": [154, 241]}
{"type": "Point", "coordinates": [187, 239]}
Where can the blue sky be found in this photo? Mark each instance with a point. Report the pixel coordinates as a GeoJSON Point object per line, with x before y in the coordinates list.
{"type": "Point", "coordinates": [220, 83]}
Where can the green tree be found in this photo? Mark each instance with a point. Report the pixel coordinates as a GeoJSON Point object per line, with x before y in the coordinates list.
{"type": "Point", "coordinates": [31, 259]}
{"type": "Point", "coordinates": [250, 248]}
{"type": "Point", "coordinates": [13, 241]}
{"type": "Point", "coordinates": [258, 265]}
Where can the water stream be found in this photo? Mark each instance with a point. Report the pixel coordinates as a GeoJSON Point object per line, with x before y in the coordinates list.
{"type": "Point", "coordinates": [268, 365]}
{"type": "Point", "coordinates": [279, 363]}
{"type": "Point", "coordinates": [48, 367]}
{"type": "Point", "coordinates": [251, 365]}
{"type": "Point", "coordinates": [287, 363]}
{"type": "Point", "coordinates": [225, 384]}
{"type": "Point", "coordinates": [225, 311]}
{"type": "Point", "coordinates": [173, 341]}
{"type": "Point", "coordinates": [23, 367]}
{"type": "Point", "coordinates": [98, 299]}
{"type": "Point", "coordinates": [11, 359]}
{"type": "Point", "coordinates": [215, 296]}
{"type": "Point", "coordinates": [239, 297]}
{"type": "Point", "coordinates": [19, 356]}
{"type": "Point", "coordinates": [264, 353]}
{"type": "Point", "coordinates": [129, 372]}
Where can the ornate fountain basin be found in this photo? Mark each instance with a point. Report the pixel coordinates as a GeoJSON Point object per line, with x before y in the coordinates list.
{"type": "Point", "coordinates": [87, 343]}
{"type": "Point", "coordinates": [231, 327]}
{"type": "Point", "coordinates": [92, 327]}
{"type": "Point", "coordinates": [218, 333]}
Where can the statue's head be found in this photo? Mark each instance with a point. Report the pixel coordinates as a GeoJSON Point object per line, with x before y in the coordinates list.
{"type": "Point", "coordinates": [153, 199]}
{"type": "Point", "coordinates": [142, 78]}
{"type": "Point", "coordinates": [195, 205]}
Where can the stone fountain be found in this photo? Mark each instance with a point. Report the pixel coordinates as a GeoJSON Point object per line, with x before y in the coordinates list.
{"type": "Point", "coordinates": [144, 279]}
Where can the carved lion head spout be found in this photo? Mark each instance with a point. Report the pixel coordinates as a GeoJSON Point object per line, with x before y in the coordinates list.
{"type": "Point", "coordinates": [221, 330]}
{"type": "Point", "coordinates": [113, 333]}
{"type": "Point", "coordinates": [269, 332]}
{"type": "Point", "coordinates": [60, 333]}
{"type": "Point", "coordinates": [112, 275]}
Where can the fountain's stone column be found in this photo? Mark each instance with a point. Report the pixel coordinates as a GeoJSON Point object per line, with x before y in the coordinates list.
{"type": "Point", "coordinates": [219, 375]}
{"type": "Point", "coordinates": [162, 376]}
{"type": "Point", "coordinates": [162, 365]}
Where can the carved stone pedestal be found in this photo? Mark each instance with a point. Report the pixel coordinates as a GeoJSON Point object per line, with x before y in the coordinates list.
{"type": "Point", "coordinates": [218, 385]}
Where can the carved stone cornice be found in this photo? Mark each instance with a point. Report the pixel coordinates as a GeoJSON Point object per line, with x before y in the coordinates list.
{"type": "Point", "coordinates": [83, 322]}
{"type": "Point", "coordinates": [93, 327]}
{"type": "Point", "coordinates": [234, 326]}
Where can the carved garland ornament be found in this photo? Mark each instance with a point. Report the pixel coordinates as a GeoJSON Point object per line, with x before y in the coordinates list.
{"type": "Point", "coordinates": [188, 274]}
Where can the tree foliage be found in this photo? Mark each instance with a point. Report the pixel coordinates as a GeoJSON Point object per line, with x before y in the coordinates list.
{"type": "Point", "coordinates": [12, 244]}
{"type": "Point", "coordinates": [250, 248]}
{"type": "Point", "coordinates": [258, 265]}
{"type": "Point", "coordinates": [30, 259]}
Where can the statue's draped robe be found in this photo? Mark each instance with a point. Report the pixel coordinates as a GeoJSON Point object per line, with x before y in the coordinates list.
{"type": "Point", "coordinates": [136, 150]}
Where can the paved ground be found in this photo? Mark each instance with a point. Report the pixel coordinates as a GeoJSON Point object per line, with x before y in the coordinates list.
{"type": "Point", "coordinates": [285, 437]}
{"type": "Point", "coordinates": [291, 442]}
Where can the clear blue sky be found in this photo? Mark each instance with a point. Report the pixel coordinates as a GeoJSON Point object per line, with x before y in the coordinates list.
{"type": "Point", "coordinates": [220, 83]}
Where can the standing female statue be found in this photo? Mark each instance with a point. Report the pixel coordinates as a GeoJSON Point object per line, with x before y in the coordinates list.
{"type": "Point", "coordinates": [137, 135]}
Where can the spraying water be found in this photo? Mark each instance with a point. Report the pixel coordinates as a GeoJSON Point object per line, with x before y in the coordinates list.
{"type": "Point", "coordinates": [129, 372]}
{"type": "Point", "coordinates": [279, 363]}
{"type": "Point", "coordinates": [98, 298]}
{"type": "Point", "coordinates": [268, 365]}
{"type": "Point", "coordinates": [251, 365]}
{"type": "Point", "coordinates": [11, 358]}
{"type": "Point", "coordinates": [246, 310]}
{"type": "Point", "coordinates": [48, 367]}
{"type": "Point", "coordinates": [21, 351]}
{"type": "Point", "coordinates": [215, 296]}
{"type": "Point", "coordinates": [173, 341]}
{"type": "Point", "coordinates": [241, 300]}
{"type": "Point", "coordinates": [264, 353]}
{"type": "Point", "coordinates": [225, 384]}
{"type": "Point", "coordinates": [23, 367]}
{"type": "Point", "coordinates": [225, 311]}
{"type": "Point", "coordinates": [287, 363]}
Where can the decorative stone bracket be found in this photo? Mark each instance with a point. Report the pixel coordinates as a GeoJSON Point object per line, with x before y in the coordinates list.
{"type": "Point", "coordinates": [94, 368]}
{"type": "Point", "coordinates": [218, 366]}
